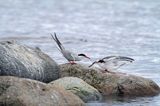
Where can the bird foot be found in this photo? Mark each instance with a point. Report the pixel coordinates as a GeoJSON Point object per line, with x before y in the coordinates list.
{"type": "Point", "coordinates": [122, 73]}
{"type": "Point", "coordinates": [72, 62]}
{"type": "Point", "coordinates": [106, 71]}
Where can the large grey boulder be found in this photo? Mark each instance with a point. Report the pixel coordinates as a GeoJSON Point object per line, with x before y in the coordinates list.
{"type": "Point", "coordinates": [22, 61]}
{"type": "Point", "coordinates": [112, 83]}
{"type": "Point", "coordinates": [16, 91]}
{"type": "Point", "coordinates": [80, 88]}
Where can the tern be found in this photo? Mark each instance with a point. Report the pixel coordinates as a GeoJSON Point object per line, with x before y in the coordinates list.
{"type": "Point", "coordinates": [70, 56]}
{"type": "Point", "coordinates": [112, 62]}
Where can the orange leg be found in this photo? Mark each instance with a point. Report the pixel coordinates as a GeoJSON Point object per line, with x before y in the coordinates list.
{"type": "Point", "coordinates": [108, 71]}
{"type": "Point", "coordinates": [72, 62]}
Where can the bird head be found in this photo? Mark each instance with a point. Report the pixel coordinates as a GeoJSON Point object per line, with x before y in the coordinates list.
{"type": "Point", "coordinates": [99, 61]}
{"type": "Point", "coordinates": [83, 55]}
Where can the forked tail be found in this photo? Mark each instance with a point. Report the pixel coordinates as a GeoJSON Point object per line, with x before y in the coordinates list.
{"type": "Point", "coordinates": [57, 41]}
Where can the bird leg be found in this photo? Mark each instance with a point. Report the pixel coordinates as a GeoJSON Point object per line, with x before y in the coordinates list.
{"type": "Point", "coordinates": [108, 71]}
{"type": "Point", "coordinates": [72, 62]}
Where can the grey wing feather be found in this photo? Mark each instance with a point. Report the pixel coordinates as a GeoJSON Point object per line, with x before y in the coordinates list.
{"type": "Point", "coordinates": [117, 61]}
{"type": "Point", "coordinates": [75, 57]}
{"type": "Point", "coordinates": [121, 58]}
{"type": "Point", "coordinates": [108, 57]}
{"type": "Point", "coordinates": [67, 54]}
{"type": "Point", "coordinates": [70, 56]}
{"type": "Point", "coordinates": [118, 58]}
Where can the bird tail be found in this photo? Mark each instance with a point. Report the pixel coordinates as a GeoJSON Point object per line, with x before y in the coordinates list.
{"type": "Point", "coordinates": [57, 41]}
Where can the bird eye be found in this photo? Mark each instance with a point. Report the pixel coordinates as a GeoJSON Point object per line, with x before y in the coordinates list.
{"type": "Point", "coordinates": [81, 55]}
{"type": "Point", "coordinates": [101, 61]}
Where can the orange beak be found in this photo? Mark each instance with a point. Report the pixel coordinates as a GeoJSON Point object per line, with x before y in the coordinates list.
{"type": "Point", "coordinates": [87, 57]}
{"type": "Point", "coordinates": [93, 64]}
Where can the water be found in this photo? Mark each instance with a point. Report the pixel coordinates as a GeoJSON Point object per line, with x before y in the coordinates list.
{"type": "Point", "coordinates": [96, 27]}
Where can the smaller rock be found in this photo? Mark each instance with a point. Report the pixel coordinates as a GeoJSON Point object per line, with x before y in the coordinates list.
{"type": "Point", "coordinates": [16, 91]}
{"type": "Point", "coordinates": [77, 86]}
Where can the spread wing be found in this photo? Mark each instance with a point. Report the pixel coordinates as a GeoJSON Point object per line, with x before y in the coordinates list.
{"type": "Point", "coordinates": [116, 62]}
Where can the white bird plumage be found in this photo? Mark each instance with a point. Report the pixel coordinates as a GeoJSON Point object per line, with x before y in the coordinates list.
{"type": "Point", "coordinates": [70, 56]}
{"type": "Point", "coordinates": [111, 63]}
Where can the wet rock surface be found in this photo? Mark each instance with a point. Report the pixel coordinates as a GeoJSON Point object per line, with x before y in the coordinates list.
{"type": "Point", "coordinates": [80, 88]}
{"type": "Point", "coordinates": [22, 61]}
{"type": "Point", "coordinates": [112, 84]}
{"type": "Point", "coordinates": [16, 91]}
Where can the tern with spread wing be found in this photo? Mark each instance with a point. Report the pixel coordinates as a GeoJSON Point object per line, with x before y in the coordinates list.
{"type": "Point", "coordinates": [112, 62]}
{"type": "Point", "coordinates": [71, 57]}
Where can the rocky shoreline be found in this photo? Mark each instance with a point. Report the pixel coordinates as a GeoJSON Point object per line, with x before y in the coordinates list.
{"type": "Point", "coordinates": [29, 77]}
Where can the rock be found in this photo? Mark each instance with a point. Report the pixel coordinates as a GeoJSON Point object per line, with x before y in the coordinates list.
{"type": "Point", "coordinates": [22, 61]}
{"type": "Point", "coordinates": [79, 88]}
{"type": "Point", "coordinates": [112, 84]}
{"type": "Point", "coordinates": [16, 91]}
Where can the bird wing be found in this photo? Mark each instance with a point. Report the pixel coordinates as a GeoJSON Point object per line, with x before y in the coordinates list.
{"type": "Point", "coordinates": [109, 58]}
{"type": "Point", "coordinates": [75, 57]}
{"type": "Point", "coordinates": [122, 58]}
{"type": "Point", "coordinates": [67, 54]}
{"type": "Point", "coordinates": [116, 62]}
{"type": "Point", "coordinates": [117, 58]}
{"type": "Point", "coordinates": [70, 56]}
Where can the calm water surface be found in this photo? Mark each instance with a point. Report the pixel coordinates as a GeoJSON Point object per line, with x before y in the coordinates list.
{"type": "Point", "coordinates": [96, 27]}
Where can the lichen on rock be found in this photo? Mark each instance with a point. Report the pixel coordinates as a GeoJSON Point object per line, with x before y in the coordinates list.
{"type": "Point", "coordinates": [112, 84]}
{"type": "Point", "coordinates": [16, 91]}
{"type": "Point", "coordinates": [80, 88]}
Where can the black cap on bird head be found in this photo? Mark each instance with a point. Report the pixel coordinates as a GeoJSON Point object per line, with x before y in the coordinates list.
{"type": "Point", "coordinates": [83, 55]}
{"type": "Point", "coordinates": [101, 61]}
